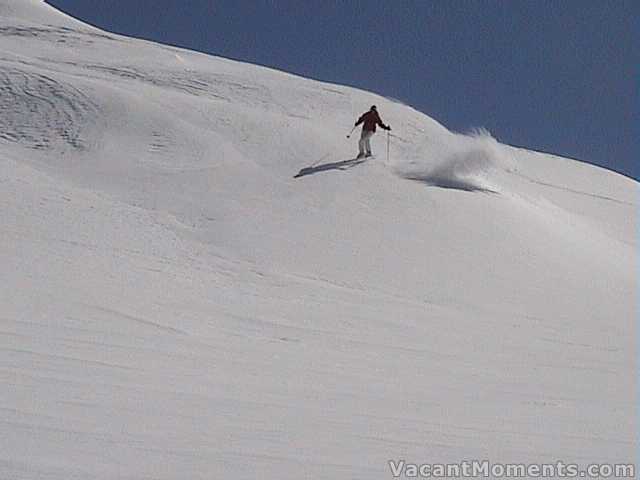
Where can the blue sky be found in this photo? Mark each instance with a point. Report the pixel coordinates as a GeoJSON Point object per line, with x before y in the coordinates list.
{"type": "Point", "coordinates": [559, 76]}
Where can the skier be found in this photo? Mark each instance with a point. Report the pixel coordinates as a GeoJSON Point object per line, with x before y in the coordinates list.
{"type": "Point", "coordinates": [369, 120]}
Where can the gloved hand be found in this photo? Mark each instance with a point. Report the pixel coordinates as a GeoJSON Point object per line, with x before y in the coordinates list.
{"type": "Point", "coordinates": [388, 128]}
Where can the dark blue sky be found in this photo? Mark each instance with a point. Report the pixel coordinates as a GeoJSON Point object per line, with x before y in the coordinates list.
{"type": "Point", "coordinates": [559, 76]}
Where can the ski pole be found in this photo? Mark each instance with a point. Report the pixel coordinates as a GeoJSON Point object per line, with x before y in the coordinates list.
{"type": "Point", "coordinates": [349, 136]}
{"type": "Point", "coordinates": [388, 140]}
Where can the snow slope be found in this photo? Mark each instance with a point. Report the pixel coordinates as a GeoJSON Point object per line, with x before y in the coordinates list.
{"type": "Point", "coordinates": [200, 282]}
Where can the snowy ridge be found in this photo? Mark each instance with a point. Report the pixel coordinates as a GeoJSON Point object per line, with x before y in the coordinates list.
{"type": "Point", "coordinates": [183, 303]}
{"type": "Point", "coordinates": [17, 13]}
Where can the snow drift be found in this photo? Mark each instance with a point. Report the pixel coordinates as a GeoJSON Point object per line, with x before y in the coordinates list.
{"type": "Point", "coordinates": [180, 301]}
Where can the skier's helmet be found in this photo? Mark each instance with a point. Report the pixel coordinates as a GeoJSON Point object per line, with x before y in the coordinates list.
{"type": "Point", "coordinates": [374, 108]}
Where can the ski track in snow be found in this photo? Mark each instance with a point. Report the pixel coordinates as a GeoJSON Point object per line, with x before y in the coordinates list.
{"type": "Point", "coordinates": [38, 111]}
{"type": "Point", "coordinates": [60, 35]}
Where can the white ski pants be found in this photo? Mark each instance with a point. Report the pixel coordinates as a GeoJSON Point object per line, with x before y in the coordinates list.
{"type": "Point", "coordinates": [364, 144]}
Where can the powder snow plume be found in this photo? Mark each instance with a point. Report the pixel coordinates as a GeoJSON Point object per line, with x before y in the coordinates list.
{"type": "Point", "coordinates": [471, 162]}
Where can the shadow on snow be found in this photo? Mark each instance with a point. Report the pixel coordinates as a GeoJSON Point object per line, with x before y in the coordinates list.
{"type": "Point", "coordinates": [342, 165]}
{"type": "Point", "coordinates": [451, 184]}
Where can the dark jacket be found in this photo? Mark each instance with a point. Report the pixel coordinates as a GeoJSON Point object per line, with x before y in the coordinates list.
{"type": "Point", "coordinates": [370, 120]}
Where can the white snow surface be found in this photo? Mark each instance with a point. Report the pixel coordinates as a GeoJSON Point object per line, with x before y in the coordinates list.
{"type": "Point", "coordinates": [199, 282]}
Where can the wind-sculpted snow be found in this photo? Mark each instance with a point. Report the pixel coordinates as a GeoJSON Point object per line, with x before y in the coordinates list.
{"type": "Point", "coordinates": [40, 112]}
{"type": "Point", "coordinates": [472, 162]}
{"type": "Point", "coordinates": [61, 35]}
{"type": "Point", "coordinates": [219, 87]}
